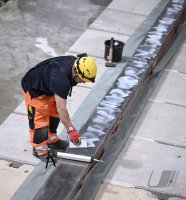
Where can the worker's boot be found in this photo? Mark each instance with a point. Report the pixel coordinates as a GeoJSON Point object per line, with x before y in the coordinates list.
{"type": "Point", "coordinates": [59, 145]}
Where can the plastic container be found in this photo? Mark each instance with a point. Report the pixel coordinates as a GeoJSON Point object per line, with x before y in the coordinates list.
{"type": "Point", "coordinates": [117, 50]}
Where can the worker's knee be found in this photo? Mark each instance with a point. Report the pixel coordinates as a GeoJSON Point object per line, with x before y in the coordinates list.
{"type": "Point", "coordinates": [40, 134]}
{"type": "Point", "coordinates": [54, 122]}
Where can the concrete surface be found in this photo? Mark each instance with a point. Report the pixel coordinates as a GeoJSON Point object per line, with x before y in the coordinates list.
{"type": "Point", "coordinates": [179, 64]}
{"type": "Point", "coordinates": [113, 192]}
{"type": "Point", "coordinates": [171, 90]}
{"type": "Point", "coordinates": [28, 23]}
{"type": "Point", "coordinates": [11, 177]}
{"type": "Point", "coordinates": [92, 42]}
{"type": "Point", "coordinates": [32, 31]}
{"type": "Point", "coordinates": [154, 157]}
{"type": "Point", "coordinates": [161, 117]}
{"type": "Point", "coordinates": [166, 106]}
{"type": "Point", "coordinates": [15, 145]}
{"type": "Point", "coordinates": [134, 6]}
{"type": "Point", "coordinates": [142, 157]}
{"type": "Point", "coordinates": [122, 22]}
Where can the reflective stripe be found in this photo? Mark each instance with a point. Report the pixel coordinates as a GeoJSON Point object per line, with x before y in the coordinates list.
{"type": "Point", "coordinates": [40, 148]}
{"type": "Point", "coordinates": [52, 138]}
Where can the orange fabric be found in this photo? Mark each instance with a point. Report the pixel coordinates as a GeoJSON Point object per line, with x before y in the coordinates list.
{"type": "Point", "coordinates": [45, 107]}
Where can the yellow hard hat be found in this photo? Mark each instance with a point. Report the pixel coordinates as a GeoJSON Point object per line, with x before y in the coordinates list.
{"type": "Point", "coordinates": [86, 68]}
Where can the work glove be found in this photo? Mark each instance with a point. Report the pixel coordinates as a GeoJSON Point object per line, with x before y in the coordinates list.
{"type": "Point", "coordinates": [74, 136]}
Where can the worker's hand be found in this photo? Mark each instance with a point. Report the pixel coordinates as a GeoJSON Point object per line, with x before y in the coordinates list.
{"type": "Point", "coordinates": [74, 136]}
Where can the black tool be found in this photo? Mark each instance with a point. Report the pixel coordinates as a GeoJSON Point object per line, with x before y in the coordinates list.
{"type": "Point", "coordinates": [50, 155]}
{"type": "Point", "coordinates": [110, 56]}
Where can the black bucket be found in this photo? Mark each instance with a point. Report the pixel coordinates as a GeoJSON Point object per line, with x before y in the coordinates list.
{"type": "Point", "coordinates": [117, 50]}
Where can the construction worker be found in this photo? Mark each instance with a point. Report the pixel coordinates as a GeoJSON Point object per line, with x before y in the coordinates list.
{"type": "Point", "coordinates": [46, 88]}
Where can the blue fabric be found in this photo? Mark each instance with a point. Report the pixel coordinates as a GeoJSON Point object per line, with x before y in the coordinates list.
{"type": "Point", "coordinates": [52, 76]}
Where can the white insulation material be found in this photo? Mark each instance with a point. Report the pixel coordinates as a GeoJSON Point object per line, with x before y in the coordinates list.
{"type": "Point", "coordinates": [112, 104]}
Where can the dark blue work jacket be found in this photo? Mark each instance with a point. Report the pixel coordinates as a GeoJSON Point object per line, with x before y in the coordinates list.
{"type": "Point", "coordinates": [52, 76]}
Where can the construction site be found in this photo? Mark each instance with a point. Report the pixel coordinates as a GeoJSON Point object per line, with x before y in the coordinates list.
{"type": "Point", "coordinates": [131, 120]}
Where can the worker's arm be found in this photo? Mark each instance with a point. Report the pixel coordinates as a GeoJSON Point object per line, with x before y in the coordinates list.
{"type": "Point", "coordinates": [65, 119]}
{"type": "Point", "coordinates": [63, 112]}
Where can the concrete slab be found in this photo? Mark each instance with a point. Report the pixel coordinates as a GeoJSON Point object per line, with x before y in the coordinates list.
{"type": "Point", "coordinates": [114, 192]}
{"type": "Point", "coordinates": [171, 90]}
{"type": "Point", "coordinates": [21, 109]}
{"type": "Point", "coordinates": [15, 143]}
{"type": "Point", "coordinates": [11, 178]}
{"type": "Point", "coordinates": [147, 165]}
{"type": "Point", "coordinates": [79, 94]}
{"type": "Point", "coordinates": [118, 22]}
{"type": "Point", "coordinates": [178, 62]}
{"type": "Point", "coordinates": [134, 6]}
{"type": "Point", "coordinates": [92, 42]}
{"type": "Point", "coordinates": [162, 122]}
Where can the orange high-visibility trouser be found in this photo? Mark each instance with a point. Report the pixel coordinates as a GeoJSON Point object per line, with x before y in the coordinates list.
{"type": "Point", "coordinates": [43, 121]}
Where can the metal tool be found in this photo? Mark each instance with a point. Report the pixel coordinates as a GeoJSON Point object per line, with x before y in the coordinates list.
{"type": "Point", "coordinates": [68, 156]}
{"type": "Point", "coordinates": [82, 158]}
{"type": "Point", "coordinates": [110, 56]}
{"type": "Point", "coordinates": [50, 156]}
